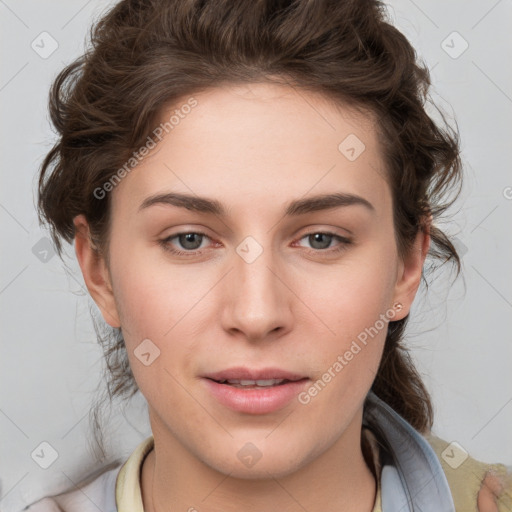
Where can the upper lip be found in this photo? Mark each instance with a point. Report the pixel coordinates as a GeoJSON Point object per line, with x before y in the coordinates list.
{"type": "Point", "coordinates": [243, 373]}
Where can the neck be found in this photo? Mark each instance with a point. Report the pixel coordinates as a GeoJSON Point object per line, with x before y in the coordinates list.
{"type": "Point", "coordinates": [339, 479]}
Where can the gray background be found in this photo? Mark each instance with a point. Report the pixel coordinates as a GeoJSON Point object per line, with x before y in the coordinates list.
{"type": "Point", "coordinates": [460, 336]}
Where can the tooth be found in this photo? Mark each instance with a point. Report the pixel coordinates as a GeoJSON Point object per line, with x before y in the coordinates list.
{"type": "Point", "coordinates": [248, 382]}
{"type": "Point", "coordinates": [269, 382]}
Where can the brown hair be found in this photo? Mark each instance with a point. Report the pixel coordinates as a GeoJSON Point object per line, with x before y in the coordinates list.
{"type": "Point", "coordinates": [148, 54]}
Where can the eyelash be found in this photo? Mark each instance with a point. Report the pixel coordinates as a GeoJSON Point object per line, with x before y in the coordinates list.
{"type": "Point", "coordinates": [165, 243]}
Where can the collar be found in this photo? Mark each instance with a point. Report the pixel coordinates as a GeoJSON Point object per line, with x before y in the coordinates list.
{"type": "Point", "coordinates": [412, 477]}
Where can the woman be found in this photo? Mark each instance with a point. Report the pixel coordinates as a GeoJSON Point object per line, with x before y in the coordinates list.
{"type": "Point", "coordinates": [252, 189]}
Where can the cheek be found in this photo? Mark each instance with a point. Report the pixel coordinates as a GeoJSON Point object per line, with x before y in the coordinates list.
{"type": "Point", "coordinates": [348, 360]}
{"type": "Point", "coordinates": [354, 325]}
{"type": "Point", "coordinates": [151, 298]}
{"type": "Point", "coordinates": [352, 296]}
{"type": "Point", "coordinates": [163, 306]}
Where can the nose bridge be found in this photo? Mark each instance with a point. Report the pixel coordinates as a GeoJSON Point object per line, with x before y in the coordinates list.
{"type": "Point", "coordinates": [258, 297]}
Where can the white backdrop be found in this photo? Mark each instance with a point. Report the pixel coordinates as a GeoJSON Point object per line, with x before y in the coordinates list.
{"type": "Point", "coordinates": [51, 364]}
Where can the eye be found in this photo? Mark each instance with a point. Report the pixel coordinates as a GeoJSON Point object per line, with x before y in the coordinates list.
{"type": "Point", "coordinates": [191, 241]}
{"type": "Point", "coordinates": [321, 241]}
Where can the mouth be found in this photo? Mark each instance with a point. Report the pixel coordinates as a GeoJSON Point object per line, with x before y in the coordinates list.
{"type": "Point", "coordinates": [255, 377]}
{"type": "Point", "coordinates": [254, 384]}
{"type": "Point", "coordinates": [254, 391]}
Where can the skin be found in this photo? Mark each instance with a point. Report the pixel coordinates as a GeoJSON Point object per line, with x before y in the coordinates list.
{"type": "Point", "coordinates": [490, 491]}
{"type": "Point", "coordinates": [254, 148]}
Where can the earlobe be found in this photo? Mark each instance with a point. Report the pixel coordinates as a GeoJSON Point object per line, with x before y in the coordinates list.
{"type": "Point", "coordinates": [95, 272]}
{"type": "Point", "coordinates": [411, 269]}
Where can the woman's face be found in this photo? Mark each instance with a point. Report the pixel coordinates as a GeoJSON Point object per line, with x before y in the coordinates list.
{"type": "Point", "coordinates": [273, 284]}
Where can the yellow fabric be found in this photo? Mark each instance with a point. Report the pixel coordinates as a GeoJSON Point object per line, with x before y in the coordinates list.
{"type": "Point", "coordinates": [128, 492]}
{"type": "Point", "coordinates": [465, 481]}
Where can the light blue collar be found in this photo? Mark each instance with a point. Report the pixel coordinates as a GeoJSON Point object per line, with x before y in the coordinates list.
{"type": "Point", "coordinates": [412, 479]}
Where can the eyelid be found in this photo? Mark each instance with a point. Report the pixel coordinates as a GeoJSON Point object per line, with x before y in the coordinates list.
{"type": "Point", "coordinates": [319, 228]}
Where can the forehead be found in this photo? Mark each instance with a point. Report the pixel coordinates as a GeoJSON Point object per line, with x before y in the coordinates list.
{"type": "Point", "coordinates": [260, 141]}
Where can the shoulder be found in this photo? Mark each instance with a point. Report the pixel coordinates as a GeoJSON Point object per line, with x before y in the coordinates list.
{"type": "Point", "coordinates": [475, 486]}
{"type": "Point", "coordinates": [97, 494]}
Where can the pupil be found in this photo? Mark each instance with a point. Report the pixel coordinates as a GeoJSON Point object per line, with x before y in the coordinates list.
{"type": "Point", "coordinates": [318, 237]}
{"type": "Point", "coordinates": [187, 239]}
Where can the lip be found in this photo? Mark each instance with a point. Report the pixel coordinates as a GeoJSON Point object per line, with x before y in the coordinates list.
{"type": "Point", "coordinates": [241, 372]}
{"type": "Point", "coordinates": [262, 400]}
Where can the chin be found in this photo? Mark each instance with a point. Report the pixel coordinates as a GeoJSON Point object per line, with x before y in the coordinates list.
{"type": "Point", "coordinates": [262, 470]}
{"type": "Point", "coordinates": [259, 460]}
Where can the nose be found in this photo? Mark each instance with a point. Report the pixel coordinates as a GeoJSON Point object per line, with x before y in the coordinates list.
{"type": "Point", "coordinates": [258, 300]}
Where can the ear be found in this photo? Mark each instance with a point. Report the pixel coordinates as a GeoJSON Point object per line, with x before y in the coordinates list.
{"type": "Point", "coordinates": [95, 272]}
{"type": "Point", "coordinates": [410, 270]}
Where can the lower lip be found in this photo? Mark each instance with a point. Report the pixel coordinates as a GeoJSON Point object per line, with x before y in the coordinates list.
{"type": "Point", "coordinates": [255, 400]}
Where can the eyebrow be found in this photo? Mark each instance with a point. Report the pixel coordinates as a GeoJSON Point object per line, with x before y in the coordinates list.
{"type": "Point", "coordinates": [297, 207]}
